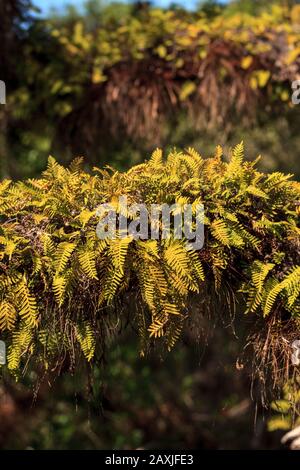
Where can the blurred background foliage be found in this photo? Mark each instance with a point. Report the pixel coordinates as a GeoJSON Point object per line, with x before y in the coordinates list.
{"type": "Point", "coordinates": [111, 82]}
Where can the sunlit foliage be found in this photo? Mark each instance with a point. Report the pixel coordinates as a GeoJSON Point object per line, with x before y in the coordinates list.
{"type": "Point", "coordinates": [63, 289]}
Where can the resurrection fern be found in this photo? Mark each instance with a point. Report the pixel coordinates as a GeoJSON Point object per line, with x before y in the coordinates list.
{"type": "Point", "coordinates": [59, 286]}
{"type": "Point", "coordinates": [64, 292]}
{"type": "Point", "coordinates": [86, 338]}
{"type": "Point", "coordinates": [156, 158]}
{"type": "Point", "coordinates": [62, 256]}
{"type": "Point", "coordinates": [118, 250]}
{"type": "Point", "coordinates": [21, 341]}
{"type": "Point", "coordinates": [87, 259]}
{"type": "Point", "coordinates": [26, 303]}
{"type": "Point", "coordinates": [290, 285]}
{"type": "Point", "coordinates": [235, 164]}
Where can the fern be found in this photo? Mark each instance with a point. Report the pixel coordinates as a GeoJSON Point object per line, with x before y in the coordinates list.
{"type": "Point", "coordinates": [59, 287]}
{"type": "Point", "coordinates": [259, 273]}
{"type": "Point", "coordinates": [26, 304]}
{"type": "Point", "coordinates": [235, 165]}
{"type": "Point", "coordinates": [196, 266]}
{"type": "Point", "coordinates": [292, 280]}
{"type": "Point", "coordinates": [220, 231]}
{"type": "Point", "coordinates": [85, 216]}
{"type": "Point", "coordinates": [118, 250]}
{"type": "Point", "coordinates": [255, 191]}
{"type": "Point", "coordinates": [156, 329]}
{"type": "Point", "coordinates": [62, 255]}
{"type": "Point", "coordinates": [48, 245]}
{"type": "Point", "coordinates": [87, 259]}
{"type": "Point", "coordinates": [59, 283]}
{"type": "Point", "coordinates": [86, 339]}
{"type": "Point", "coordinates": [21, 341]}
{"type": "Point", "coordinates": [8, 316]}
{"type": "Point", "coordinates": [156, 158]}
{"type": "Point", "coordinates": [177, 259]}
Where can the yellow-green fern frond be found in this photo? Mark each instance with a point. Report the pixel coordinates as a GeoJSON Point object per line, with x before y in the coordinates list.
{"type": "Point", "coordinates": [118, 251]}
{"type": "Point", "coordinates": [85, 216]}
{"type": "Point", "coordinates": [196, 265]}
{"type": "Point", "coordinates": [21, 341]}
{"type": "Point", "coordinates": [177, 258]}
{"type": "Point", "coordinates": [8, 316]}
{"type": "Point", "coordinates": [220, 232]}
{"type": "Point", "coordinates": [259, 273]}
{"type": "Point", "coordinates": [173, 333]}
{"type": "Point", "coordinates": [111, 284]}
{"type": "Point", "coordinates": [48, 245]}
{"type": "Point", "coordinates": [62, 255]}
{"type": "Point", "coordinates": [86, 338]}
{"type": "Point", "coordinates": [156, 158]}
{"type": "Point", "coordinates": [171, 309]}
{"type": "Point", "coordinates": [4, 185]}
{"type": "Point", "coordinates": [156, 329]}
{"type": "Point", "coordinates": [291, 281]}
{"type": "Point", "coordinates": [26, 304]}
{"type": "Point", "coordinates": [255, 191]}
{"type": "Point", "coordinates": [236, 161]}
{"type": "Point", "coordinates": [87, 261]}
{"type": "Point", "coordinates": [59, 287]}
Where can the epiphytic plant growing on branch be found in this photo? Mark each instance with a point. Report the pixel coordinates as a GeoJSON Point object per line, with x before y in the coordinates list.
{"type": "Point", "coordinates": [62, 288]}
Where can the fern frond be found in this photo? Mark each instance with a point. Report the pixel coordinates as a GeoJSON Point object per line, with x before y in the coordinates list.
{"type": "Point", "coordinates": [220, 232]}
{"type": "Point", "coordinates": [156, 158]}
{"type": "Point", "coordinates": [255, 191]}
{"type": "Point", "coordinates": [111, 285]}
{"type": "Point", "coordinates": [8, 316]}
{"type": "Point", "coordinates": [259, 273]}
{"type": "Point", "coordinates": [48, 245]}
{"type": "Point", "coordinates": [177, 258]}
{"type": "Point", "coordinates": [147, 287]}
{"type": "Point", "coordinates": [87, 261]}
{"type": "Point", "coordinates": [292, 280]}
{"type": "Point", "coordinates": [86, 338]}
{"type": "Point", "coordinates": [148, 248]}
{"type": "Point", "coordinates": [218, 153]}
{"type": "Point", "coordinates": [76, 165]}
{"type": "Point", "coordinates": [156, 329]}
{"type": "Point", "coordinates": [236, 161]}
{"type": "Point", "coordinates": [62, 255]}
{"type": "Point", "coordinates": [4, 185]}
{"type": "Point", "coordinates": [59, 287]}
{"type": "Point", "coordinates": [254, 299]}
{"type": "Point", "coordinates": [21, 341]}
{"type": "Point", "coordinates": [54, 169]}
{"type": "Point", "coordinates": [173, 333]}
{"type": "Point", "coordinates": [196, 265]}
{"type": "Point", "coordinates": [118, 251]}
{"type": "Point", "coordinates": [26, 304]}
{"type": "Point", "coordinates": [85, 216]}
{"type": "Point", "coordinates": [171, 309]}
